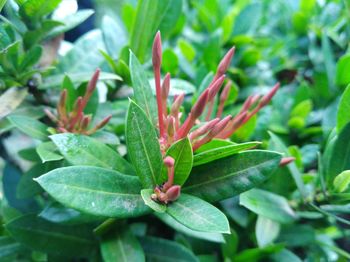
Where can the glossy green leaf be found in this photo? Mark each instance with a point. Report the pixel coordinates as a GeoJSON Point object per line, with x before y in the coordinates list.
{"type": "Point", "coordinates": [142, 90]}
{"type": "Point", "coordinates": [342, 72]}
{"type": "Point", "coordinates": [83, 150]}
{"type": "Point", "coordinates": [146, 196]}
{"type": "Point", "coordinates": [121, 245]}
{"type": "Point", "coordinates": [221, 152]}
{"type": "Point", "coordinates": [343, 116]}
{"type": "Point", "coordinates": [340, 157]}
{"type": "Point", "coordinates": [342, 181]}
{"type": "Point", "coordinates": [94, 190]}
{"type": "Point", "coordinates": [47, 237]}
{"type": "Point", "coordinates": [267, 204]}
{"type": "Point", "coordinates": [171, 222]}
{"type": "Point", "coordinates": [230, 176]}
{"type": "Point", "coordinates": [11, 99]}
{"type": "Point", "coordinates": [181, 151]}
{"type": "Point", "coordinates": [30, 127]}
{"type": "Point", "coordinates": [266, 231]}
{"type": "Point", "coordinates": [215, 143]}
{"type": "Point", "coordinates": [198, 215]}
{"type": "Point", "coordinates": [160, 250]}
{"type": "Point", "coordinates": [257, 254]}
{"type": "Point", "coordinates": [47, 152]}
{"type": "Point", "coordinates": [143, 146]}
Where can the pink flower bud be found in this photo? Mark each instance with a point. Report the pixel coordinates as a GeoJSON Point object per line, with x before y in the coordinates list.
{"type": "Point", "coordinates": [92, 83]}
{"type": "Point", "coordinates": [173, 193]}
{"type": "Point", "coordinates": [204, 129]}
{"type": "Point", "coordinates": [174, 111]}
{"type": "Point", "coordinates": [225, 62]}
{"type": "Point", "coordinates": [223, 98]}
{"type": "Point", "coordinates": [286, 160]}
{"type": "Point", "coordinates": [157, 51]}
{"type": "Point", "coordinates": [215, 87]}
{"type": "Point", "coordinates": [169, 161]}
{"type": "Point", "coordinates": [165, 92]}
{"type": "Point", "coordinates": [199, 106]}
{"type": "Point", "coordinates": [220, 126]}
{"type": "Point", "coordinates": [267, 98]}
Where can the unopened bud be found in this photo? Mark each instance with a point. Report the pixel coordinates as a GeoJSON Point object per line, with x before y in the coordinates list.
{"type": "Point", "coordinates": [220, 126]}
{"type": "Point", "coordinates": [175, 107]}
{"type": "Point", "coordinates": [92, 83]}
{"type": "Point", "coordinates": [204, 129]}
{"type": "Point", "coordinates": [267, 98]}
{"type": "Point", "coordinates": [225, 62]}
{"type": "Point", "coordinates": [157, 51]}
{"type": "Point", "coordinates": [286, 160]}
{"type": "Point", "coordinates": [199, 106]}
{"type": "Point", "coordinates": [171, 126]}
{"type": "Point", "coordinates": [173, 192]}
{"type": "Point", "coordinates": [214, 89]}
{"type": "Point", "coordinates": [166, 87]}
{"type": "Point", "coordinates": [169, 161]}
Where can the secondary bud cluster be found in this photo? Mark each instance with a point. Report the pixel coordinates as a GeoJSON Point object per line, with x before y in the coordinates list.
{"type": "Point", "coordinates": [171, 128]}
{"type": "Point", "coordinates": [76, 121]}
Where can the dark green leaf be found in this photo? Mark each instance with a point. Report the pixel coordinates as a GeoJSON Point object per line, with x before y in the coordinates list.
{"type": "Point", "coordinates": [94, 190]}
{"type": "Point", "coordinates": [83, 150]}
{"type": "Point", "coordinates": [160, 250]}
{"type": "Point", "coordinates": [143, 146]}
{"type": "Point", "coordinates": [146, 196]}
{"type": "Point", "coordinates": [181, 151]}
{"type": "Point", "coordinates": [8, 248]}
{"type": "Point", "coordinates": [30, 127]}
{"type": "Point", "coordinates": [198, 215]}
{"type": "Point", "coordinates": [230, 176]}
{"type": "Point", "coordinates": [343, 116]}
{"type": "Point", "coordinates": [51, 238]}
{"type": "Point", "coordinates": [221, 152]}
{"type": "Point", "coordinates": [142, 90]}
{"type": "Point", "coordinates": [121, 245]}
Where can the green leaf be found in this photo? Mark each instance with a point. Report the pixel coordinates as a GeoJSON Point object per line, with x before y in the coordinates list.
{"type": "Point", "coordinates": [269, 205]}
{"type": "Point", "coordinates": [11, 99]}
{"type": "Point", "coordinates": [146, 196]}
{"type": "Point", "coordinates": [160, 250]}
{"type": "Point", "coordinates": [38, 8]}
{"type": "Point", "coordinates": [343, 67]}
{"type": "Point", "coordinates": [230, 176]}
{"type": "Point", "coordinates": [47, 237]}
{"type": "Point", "coordinates": [55, 81]}
{"type": "Point", "coordinates": [278, 145]}
{"type": "Point", "coordinates": [30, 127]}
{"type": "Point", "coordinates": [342, 181]}
{"type": "Point", "coordinates": [84, 150]}
{"type": "Point", "coordinates": [171, 222]}
{"type": "Point", "coordinates": [215, 143]}
{"type": "Point", "coordinates": [47, 152]}
{"type": "Point", "coordinates": [181, 151]}
{"type": "Point", "coordinates": [266, 231]}
{"type": "Point", "coordinates": [343, 116]}
{"type": "Point", "coordinates": [198, 215]}
{"type": "Point", "coordinates": [328, 56]}
{"type": "Point", "coordinates": [143, 146]}
{"type": "Point", "coordinates": [114, 35]}
{"type": "Point", "coordinates": [142, 90]}
{"type": "Point", "coordinates": [8, 248]}
{"type": "Point", "coordinates": [31, 58]}
{"type": "Point", "coordinates": [71, 21]}
{"type": "Point", "coordinates": [94, 190]}
{"type": "Point", "coordinates": [221, 152]}
{"type": "Point", "coordinates": [2, 3]}
{"type": "Point", "coordinates": [121, 245]}
{"type": "Point", "coordinates": [340, 157]}
{"type": "Point", "coordinates": [178, 87]}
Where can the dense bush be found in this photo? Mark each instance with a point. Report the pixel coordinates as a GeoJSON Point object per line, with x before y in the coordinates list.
{"type": "Point", "coordinates": [176, 130]}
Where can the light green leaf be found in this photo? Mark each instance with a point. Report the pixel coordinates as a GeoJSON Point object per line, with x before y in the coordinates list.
{"type": "Point", "coordinates": [51, 238]}
{"type": "Point", "coordinates": [146, 196]}
{"type": "Point", "coordinates": [171, 222]}
{"type": "Point", "coordinates": [343, 116]}
{"type": "Point", "coordinates": [47, 152]}
{"type": "Point", "coordinates": [143, 146]}
{"type": "Point", "coordinates": [114, 35]}
{"type": "Point", "coordinates": [142, 90]}
{"type": "Point", "coordinates": [343, 67]}
{"type": "Point", "coordinates": [266, 231]}
{"type": "Point", "coordinates": [342, 181]}
{"type": "Point", "coordinates": [31, 58]}
{"type": "Point", "coordinates": [30, 127]}
{"type": "Point", "coordinates": [221, 152]}
{"type": "Point", "coordinates": [181, 151]}
{"type": "Point", "coordinates": [121, 245]}
{"type": "Point", "coordinates": [84, 150]}
{"type": "Point", "coordinates": [215, 143]}
{"type": "Point", "coordinates": [38, 8]}
{"type": "Point", "coordinates": [96, 191]}
{"type": "Point", "coordinates": [230, 176]}
{"type": "Point", "coordinates": [160, 250]}
{"type": "Point", "coordinates": [11, 99]}
{"type": "Point", "coordinates": [198, 215]}
{"type": "Point", "coordinates": [267, 204]}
